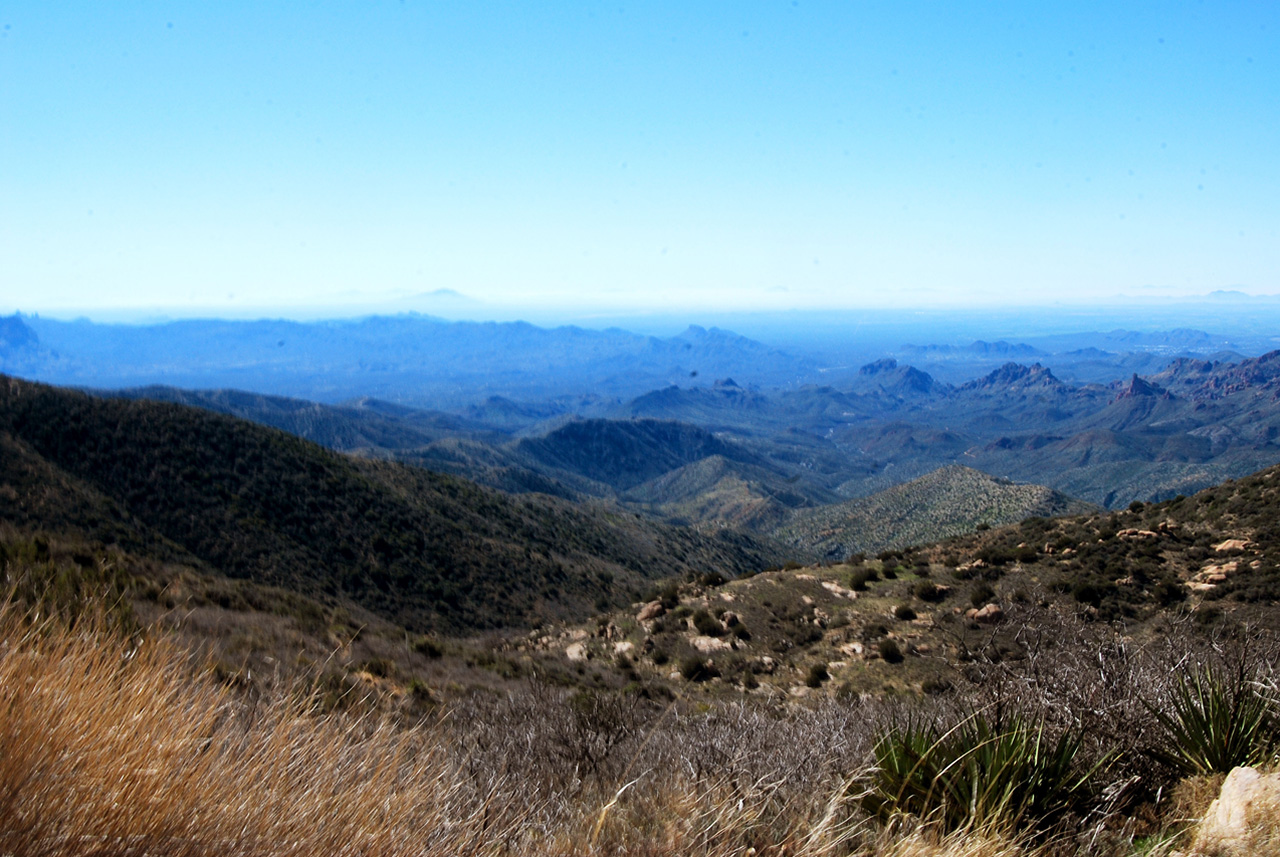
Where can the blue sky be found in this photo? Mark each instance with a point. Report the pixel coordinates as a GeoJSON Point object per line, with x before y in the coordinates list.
{"type": "Point", "coordinates": [284, 158]}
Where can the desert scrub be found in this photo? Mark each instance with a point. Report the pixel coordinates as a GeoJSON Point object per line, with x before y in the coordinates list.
{"type": "Point", "coordinates": [707, 624]}
{"type": "Point", "coordinates": [890, 651]}
{"type": "Point", "coordinates": [859, 579]}
{"type": "Point", "coordinates": [816, 675]}
{"type": "Point", "coordinates": [978, 774]}
{"type": "Point", "coordinates": [695, 668]}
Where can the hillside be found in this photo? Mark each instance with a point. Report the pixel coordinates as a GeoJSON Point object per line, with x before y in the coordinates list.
{"type": "Point", "coordinates": [720, 489]}
{"type": "Point", "coordinates": [947, 502]}
{"type": "Point", "coordinates": [422, 549]}
{"type": "Point", "coordinates": [367, 424]}
{"type": "Point", "coordinates": [1027, 600]}
{"type": "Point", "coordinates": [625, 453]}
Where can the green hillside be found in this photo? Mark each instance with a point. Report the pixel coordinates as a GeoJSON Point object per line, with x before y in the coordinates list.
{"type": "Point", "coordinates": [947, 502]}
{"type": "Point", "coordinates": [422, 549]}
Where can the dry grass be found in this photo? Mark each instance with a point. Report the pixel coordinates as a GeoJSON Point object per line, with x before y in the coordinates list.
{"type": "Point", "coordinates": [113, 749]}
{"type": "Point", "coordinates": [113, 746]}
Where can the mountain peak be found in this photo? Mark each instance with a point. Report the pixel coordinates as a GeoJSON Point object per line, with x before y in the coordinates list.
{"type": "Point", "coordinates": [886, 364]}
{"type": "Point", "coordinates": [1140, 387]}
{"type": "Point", "coordinates": [1015, 375]}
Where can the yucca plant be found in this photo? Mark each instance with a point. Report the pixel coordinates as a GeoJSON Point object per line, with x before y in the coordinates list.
{"type": "Point", "coordinates": [1216, 721]}
{"type": "Point", "coordinates": [978, 774]}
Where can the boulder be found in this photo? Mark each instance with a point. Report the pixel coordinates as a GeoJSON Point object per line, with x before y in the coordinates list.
{"type": "Point", "coordinates": [1245, 818]}
{"type": "Point", "coordinates": [989, 614]}
{"type": "Point", "coordinates": [706, 644]}
{"type": "Point", "coordinates": [650, 611]}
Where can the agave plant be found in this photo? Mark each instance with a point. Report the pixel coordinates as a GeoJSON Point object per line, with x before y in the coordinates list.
{"type": "Point", "coordinates": [1216, 721]}
{"type": "Point", "coordinates": [978, 774]}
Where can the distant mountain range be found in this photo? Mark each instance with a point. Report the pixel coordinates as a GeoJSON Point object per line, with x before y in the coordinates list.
{"type": "Point", "coordinates": [408, 359]}
{"type": "Point", "coordinates": [430, 363]}
{"type": "Point", "coordinates": [754, 457]}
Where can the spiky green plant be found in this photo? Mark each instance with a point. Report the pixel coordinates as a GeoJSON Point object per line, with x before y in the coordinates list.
{"type": "Point", "coordinates": [978, 774]}
{"type": "Point", "coordinates": [1216, 720]}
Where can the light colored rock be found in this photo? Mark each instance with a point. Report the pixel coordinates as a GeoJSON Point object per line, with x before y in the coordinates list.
{"type": "Point", "coordinates": [990, 614]}
{"type": "Point", "coordinates": [709, 644]}
{"type": "Point", "coordinates": [806, 599]}
{"type": "Point", "coordinates": [805, 577]}
{"type": "Point", "coordinates": [650, 611]}
{"type": "Point", "coordinates": [577, 652]}
{"type": "Point", "coordinates": [1231, 545]}
{"type": "Point", "coordinates": [1245, 818]}
{"type": "Point", "coordinates": [624, 647]}
{"type": "Point", "coordinates": [838, 590]}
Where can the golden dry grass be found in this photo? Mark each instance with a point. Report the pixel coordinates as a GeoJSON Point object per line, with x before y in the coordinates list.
{"type": "Point", "coordinates": [125, 747]}
{"type": "Point", "coordinates": [109, 748]}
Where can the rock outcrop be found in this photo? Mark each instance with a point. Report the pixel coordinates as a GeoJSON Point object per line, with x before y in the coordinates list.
{"type": "Point", "coordinates": [1245, 818]}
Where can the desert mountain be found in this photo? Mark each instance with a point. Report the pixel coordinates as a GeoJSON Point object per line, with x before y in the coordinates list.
{"type": "Point", "coordinates": [423, 549]}
{"type": "Point", "coordinates": [948, 502]}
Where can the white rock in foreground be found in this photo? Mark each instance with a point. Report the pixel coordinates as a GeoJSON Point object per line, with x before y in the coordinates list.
{"type": "Point", "coordinates": [1245, 818]}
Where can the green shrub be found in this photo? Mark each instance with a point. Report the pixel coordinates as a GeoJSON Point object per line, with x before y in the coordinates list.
{"type": "Point", "coordinates": [817, 675]}
{"type": "Point", "coordinates": [695, 668]}
{"type": "Point", "coordinates": [978, 774]}
{"type": "Point", "coordinates": [929, 591]}
{"type": "Point", "coordinates": [859, 579]}
{"type": "Point", "coordinates": [711, 579]}
{"type": "Point", "coordinates": [890, 651]}
{"type": "Point", "coordinates": [981, 594]}
{"type": "Point", "coordinates": [1215, 722]}
{"type": "Point", "coordinates": [904, 612]}
{"type": "Point", "coordinates": [428, 646]}
{"type": "Point", "coordinates": [707, 624]}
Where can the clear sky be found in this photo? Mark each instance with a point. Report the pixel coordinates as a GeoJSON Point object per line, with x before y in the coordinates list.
{"type": "Point", "coordinates": [236, 157]}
